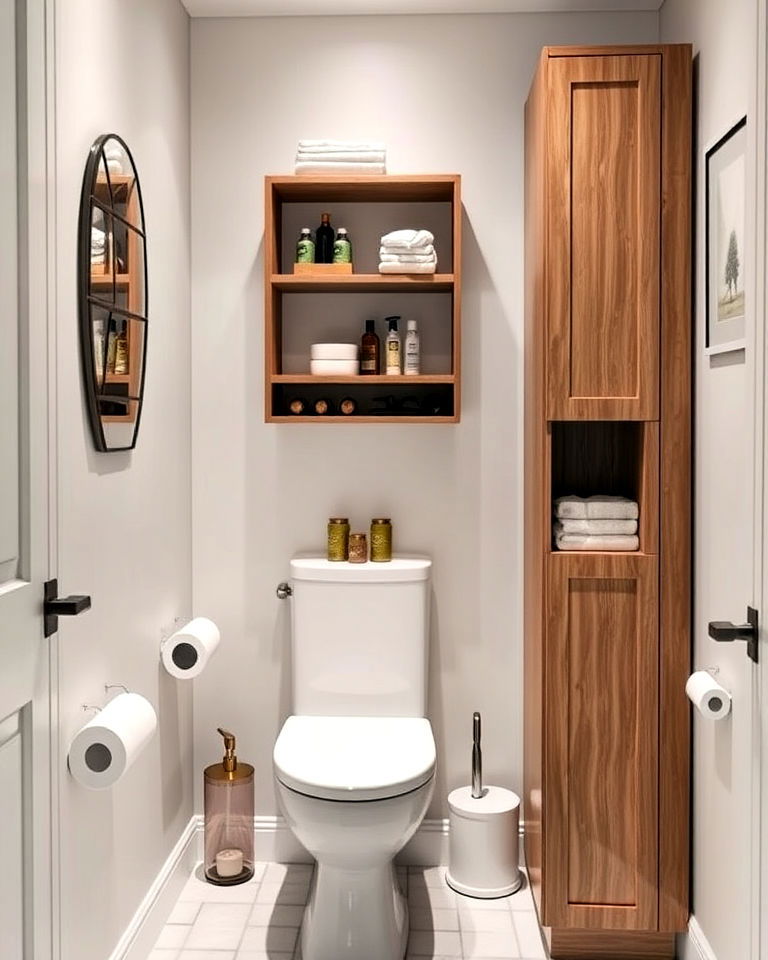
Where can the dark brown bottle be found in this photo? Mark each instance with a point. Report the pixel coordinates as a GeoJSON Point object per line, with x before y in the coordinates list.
{"type": "Point", "coordinates": [348, 406]}
{"type": "Point", "coordinates": [324, 238]}
{"type": "Point", "coordinates": [370, 362]}
{"type": "Point", "coordinates": [323, 407]}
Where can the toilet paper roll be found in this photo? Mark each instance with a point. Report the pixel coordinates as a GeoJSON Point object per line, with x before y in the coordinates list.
{"type": "Point", "coordinates": [186, 652]}
{"type": "Point", "coordinates": [707, 695]}
{"type": "Point", "coordinates": [108, 745]}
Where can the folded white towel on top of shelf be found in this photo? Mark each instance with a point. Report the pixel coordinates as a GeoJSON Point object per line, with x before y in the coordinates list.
{"type": "Point", "coordinates": [339, 167]}
{"type": "Point", "coordinates": [98, 240]}
{"type": "Point", "coordinates": [427, 257]}
{"type": "Point", "coordinates": [408, 240]}
{"type": "Point", "coordinates": [599, 507]}
{"type": "Point", "coordinates": [576, 541]}
{"type": "Point", "coordinates": [350, 156]}
{"type": "Point", "coordinates": [341, 146]}
{"type": "Point", "coordinates": [596, 527]}
{"type": "Point", "coordinates": [408, 267]}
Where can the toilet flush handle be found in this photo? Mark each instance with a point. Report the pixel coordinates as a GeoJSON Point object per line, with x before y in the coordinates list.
{"type": "Point", "coordinates": [284, 590]}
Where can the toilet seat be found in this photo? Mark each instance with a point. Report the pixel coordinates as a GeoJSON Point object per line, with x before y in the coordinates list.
{"type": "Point", "coordinates": [354, 758]}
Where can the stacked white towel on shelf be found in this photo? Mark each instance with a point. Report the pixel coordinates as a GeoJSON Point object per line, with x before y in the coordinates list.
{"type": "Point", "coordinates": [596, 523]}
{"type": "Point", "coordinates": [339, 157]}
{"type": "Point", "coordinates": [407, 251]}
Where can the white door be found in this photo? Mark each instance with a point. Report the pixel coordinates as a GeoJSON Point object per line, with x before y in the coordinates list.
{"type": "Point", "coordinates": [25, 814]}
{"type": "Point", "coordinates": [727, 578]}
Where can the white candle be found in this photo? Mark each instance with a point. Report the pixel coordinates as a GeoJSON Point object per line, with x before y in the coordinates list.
{"type": "Point", "coordinates": [229, 863]}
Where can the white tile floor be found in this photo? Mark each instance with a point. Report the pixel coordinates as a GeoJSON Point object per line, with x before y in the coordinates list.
{"type": "Point", "coordinates": [260, 920]}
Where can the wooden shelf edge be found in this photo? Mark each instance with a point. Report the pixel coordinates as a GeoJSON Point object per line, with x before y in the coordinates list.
{"type": "Point", "coordinates": [599, 553]}
{"type": "Point", "coordinates": [105, 279]}
{"type": "Point", "coordinates": [360, 379]}
{"type": "Point", "coordinates": [362, 281]}
{"type": "Point", "coordinates": [361, 419]}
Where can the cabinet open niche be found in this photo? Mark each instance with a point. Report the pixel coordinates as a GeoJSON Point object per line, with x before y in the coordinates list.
{"type": "Point", "coordinates": [302, 309]}
{"type": "Point", "coordinates": [611, 457]}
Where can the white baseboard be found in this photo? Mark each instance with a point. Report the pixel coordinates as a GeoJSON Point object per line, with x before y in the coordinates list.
{"type": "Point", "coordinates": [427, 848]}
{"type": "Point", "coordinates": [142, 932]}
{"type": "Point", "coordinates": [694, 945]}
{"type": "Point", "coordinates": [273, 842]}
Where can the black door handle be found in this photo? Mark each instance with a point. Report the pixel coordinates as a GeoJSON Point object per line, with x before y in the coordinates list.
{"type": "Point", "coordinates": [55, 606]}
{"type": "Point", "coordinates": [724, 631]}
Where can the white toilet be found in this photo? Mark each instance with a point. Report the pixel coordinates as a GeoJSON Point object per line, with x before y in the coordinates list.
{"type": "Point", "coordinates": [355, 764]}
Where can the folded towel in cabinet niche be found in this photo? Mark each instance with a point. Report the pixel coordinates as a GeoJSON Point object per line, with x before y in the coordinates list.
{"type": "Point", "coordinates": [598, 507]}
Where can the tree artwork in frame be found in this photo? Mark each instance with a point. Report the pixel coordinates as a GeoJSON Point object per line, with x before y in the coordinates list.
{"type": "Point", "coordinates": [726, 189]}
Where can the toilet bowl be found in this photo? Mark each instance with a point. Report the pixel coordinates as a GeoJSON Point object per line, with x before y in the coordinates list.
{"type": "Point", "coordinates": [354, 766]}
{"type": "Point", "coordinates": [354, 790]}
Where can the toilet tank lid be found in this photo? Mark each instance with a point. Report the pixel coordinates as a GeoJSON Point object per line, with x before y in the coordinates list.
{"type": "Point", "coordinates": [398, 569]}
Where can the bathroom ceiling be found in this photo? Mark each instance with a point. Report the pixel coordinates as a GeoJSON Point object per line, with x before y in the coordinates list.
{"type": "Point", "coordinates": [303, 8]}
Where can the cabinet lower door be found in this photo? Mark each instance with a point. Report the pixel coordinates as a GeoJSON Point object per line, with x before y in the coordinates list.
{"type": "Point", "coordinates": [601, 742]}
{"type": "Point", "coordinates": [603, 279]}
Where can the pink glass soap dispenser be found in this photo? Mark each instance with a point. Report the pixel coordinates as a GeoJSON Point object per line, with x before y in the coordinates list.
{"type": "Point", "coordinates": [228, 805]}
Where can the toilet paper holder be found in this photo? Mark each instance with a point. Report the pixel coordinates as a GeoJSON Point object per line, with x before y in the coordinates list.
{"type": "Point", "coordinates": [107, 688]}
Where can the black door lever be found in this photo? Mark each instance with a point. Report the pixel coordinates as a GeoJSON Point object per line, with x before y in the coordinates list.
{"type": "Point", "coordinates": [55, 606]}
{"type": "Point", "coordinates": [724, 631]}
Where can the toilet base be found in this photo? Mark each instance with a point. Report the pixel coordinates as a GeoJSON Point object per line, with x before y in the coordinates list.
{"type": "Point", "coordinates": [357, 914]}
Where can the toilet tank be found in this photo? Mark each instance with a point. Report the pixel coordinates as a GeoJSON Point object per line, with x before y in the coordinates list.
{"type": "Point", "coordinates": [360, 636]}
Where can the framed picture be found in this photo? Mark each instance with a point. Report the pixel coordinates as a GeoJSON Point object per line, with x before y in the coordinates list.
{"type": "Point", "coordinates": [726, 194]}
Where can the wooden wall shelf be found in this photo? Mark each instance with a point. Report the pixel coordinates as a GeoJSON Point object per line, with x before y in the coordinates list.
{"type": "Point", "coordinates": [608, 411]}
{"type": "Point", "coordinates": [379, 203]}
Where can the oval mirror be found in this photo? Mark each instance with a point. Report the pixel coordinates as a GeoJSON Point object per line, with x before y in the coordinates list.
{"type": "Point", "coordinates": [112, 293]}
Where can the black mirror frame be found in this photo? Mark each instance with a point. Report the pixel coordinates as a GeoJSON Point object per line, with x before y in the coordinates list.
{"type": "Point", "coordinates": [86, 298]}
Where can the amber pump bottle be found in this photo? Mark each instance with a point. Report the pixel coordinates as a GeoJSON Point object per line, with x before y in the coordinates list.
{"type": "Point", "coordinates": [228, 805]}
{"type": "Point", "coordinates": [370, 362]}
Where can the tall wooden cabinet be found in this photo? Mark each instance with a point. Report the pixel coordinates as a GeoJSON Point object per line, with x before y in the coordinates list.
{"type": "Point", "coordinates": [608, 410]}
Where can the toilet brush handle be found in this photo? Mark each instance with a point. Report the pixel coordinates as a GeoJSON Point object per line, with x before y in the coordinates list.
{"type": "Point", "coordinates": [477, 759]}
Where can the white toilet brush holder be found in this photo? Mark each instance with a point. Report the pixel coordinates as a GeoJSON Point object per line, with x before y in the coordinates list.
{"type": "Point", "coordinates": [483, 839]}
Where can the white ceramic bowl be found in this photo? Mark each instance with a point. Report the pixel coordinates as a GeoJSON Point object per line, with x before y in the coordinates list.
{"type": "Point", "coordinates": [334, 351]}
{"type": "Point", "coordinates": [334, 368]}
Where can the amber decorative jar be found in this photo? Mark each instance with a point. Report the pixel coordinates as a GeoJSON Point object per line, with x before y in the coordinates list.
{"type": "Point", "coordinates": [338, 539]}
{"type": "Point", "coordinates": [228, 806]}
{"type": "Point", "coordinates": [358, 548]}
{"type": "Point", "coordinates": [381, 540]}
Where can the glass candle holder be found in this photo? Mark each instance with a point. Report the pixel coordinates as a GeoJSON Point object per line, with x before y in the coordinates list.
{"type": "Point", "coordinates": [229, 811]}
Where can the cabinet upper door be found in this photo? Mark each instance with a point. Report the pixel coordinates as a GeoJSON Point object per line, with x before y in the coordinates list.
{"type": "Point", "coordinates": [603, 248]}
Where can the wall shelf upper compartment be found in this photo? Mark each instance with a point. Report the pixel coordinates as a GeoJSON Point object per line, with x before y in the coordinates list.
{"type": "Point", "coordinates": [301, 309]}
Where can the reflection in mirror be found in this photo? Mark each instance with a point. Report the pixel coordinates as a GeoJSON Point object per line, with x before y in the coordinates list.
{"type": "Point", "coordinates": [112, 292]}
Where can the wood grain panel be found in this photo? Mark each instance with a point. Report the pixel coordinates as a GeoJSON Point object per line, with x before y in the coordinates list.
{"type": "Point", "coordinates": [676, 499]}
{"type": "Point", "coordinates": [536, 476]}
{"type": "Point", "coordinates": [611, 945]}
{"type": "Point", "coordinates": [603, 317]}
{"type": "Point", "coordinates": [602, 739]}
{"type": "Point", "coordinates": [458, 216]}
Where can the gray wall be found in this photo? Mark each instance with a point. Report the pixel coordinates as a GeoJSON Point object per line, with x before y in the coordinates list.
{"type": "Point", "coordinates": [724, 41]}
{"type": "Point", "coordinates": [446, 93]}
{"type": "Point", "coordinates": [124, 519]}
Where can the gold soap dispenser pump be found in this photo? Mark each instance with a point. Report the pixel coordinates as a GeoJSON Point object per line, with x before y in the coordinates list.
{"type": "Point", "coordinates": [228, 807]}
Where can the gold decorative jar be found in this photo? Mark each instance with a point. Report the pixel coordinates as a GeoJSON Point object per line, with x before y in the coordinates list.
{"type": "Point", "coordinates": [381, 540]}
{"type": "Point", "coordinates": [358, 548]}
{"type": "Point", "coordinates": [338, 539]}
